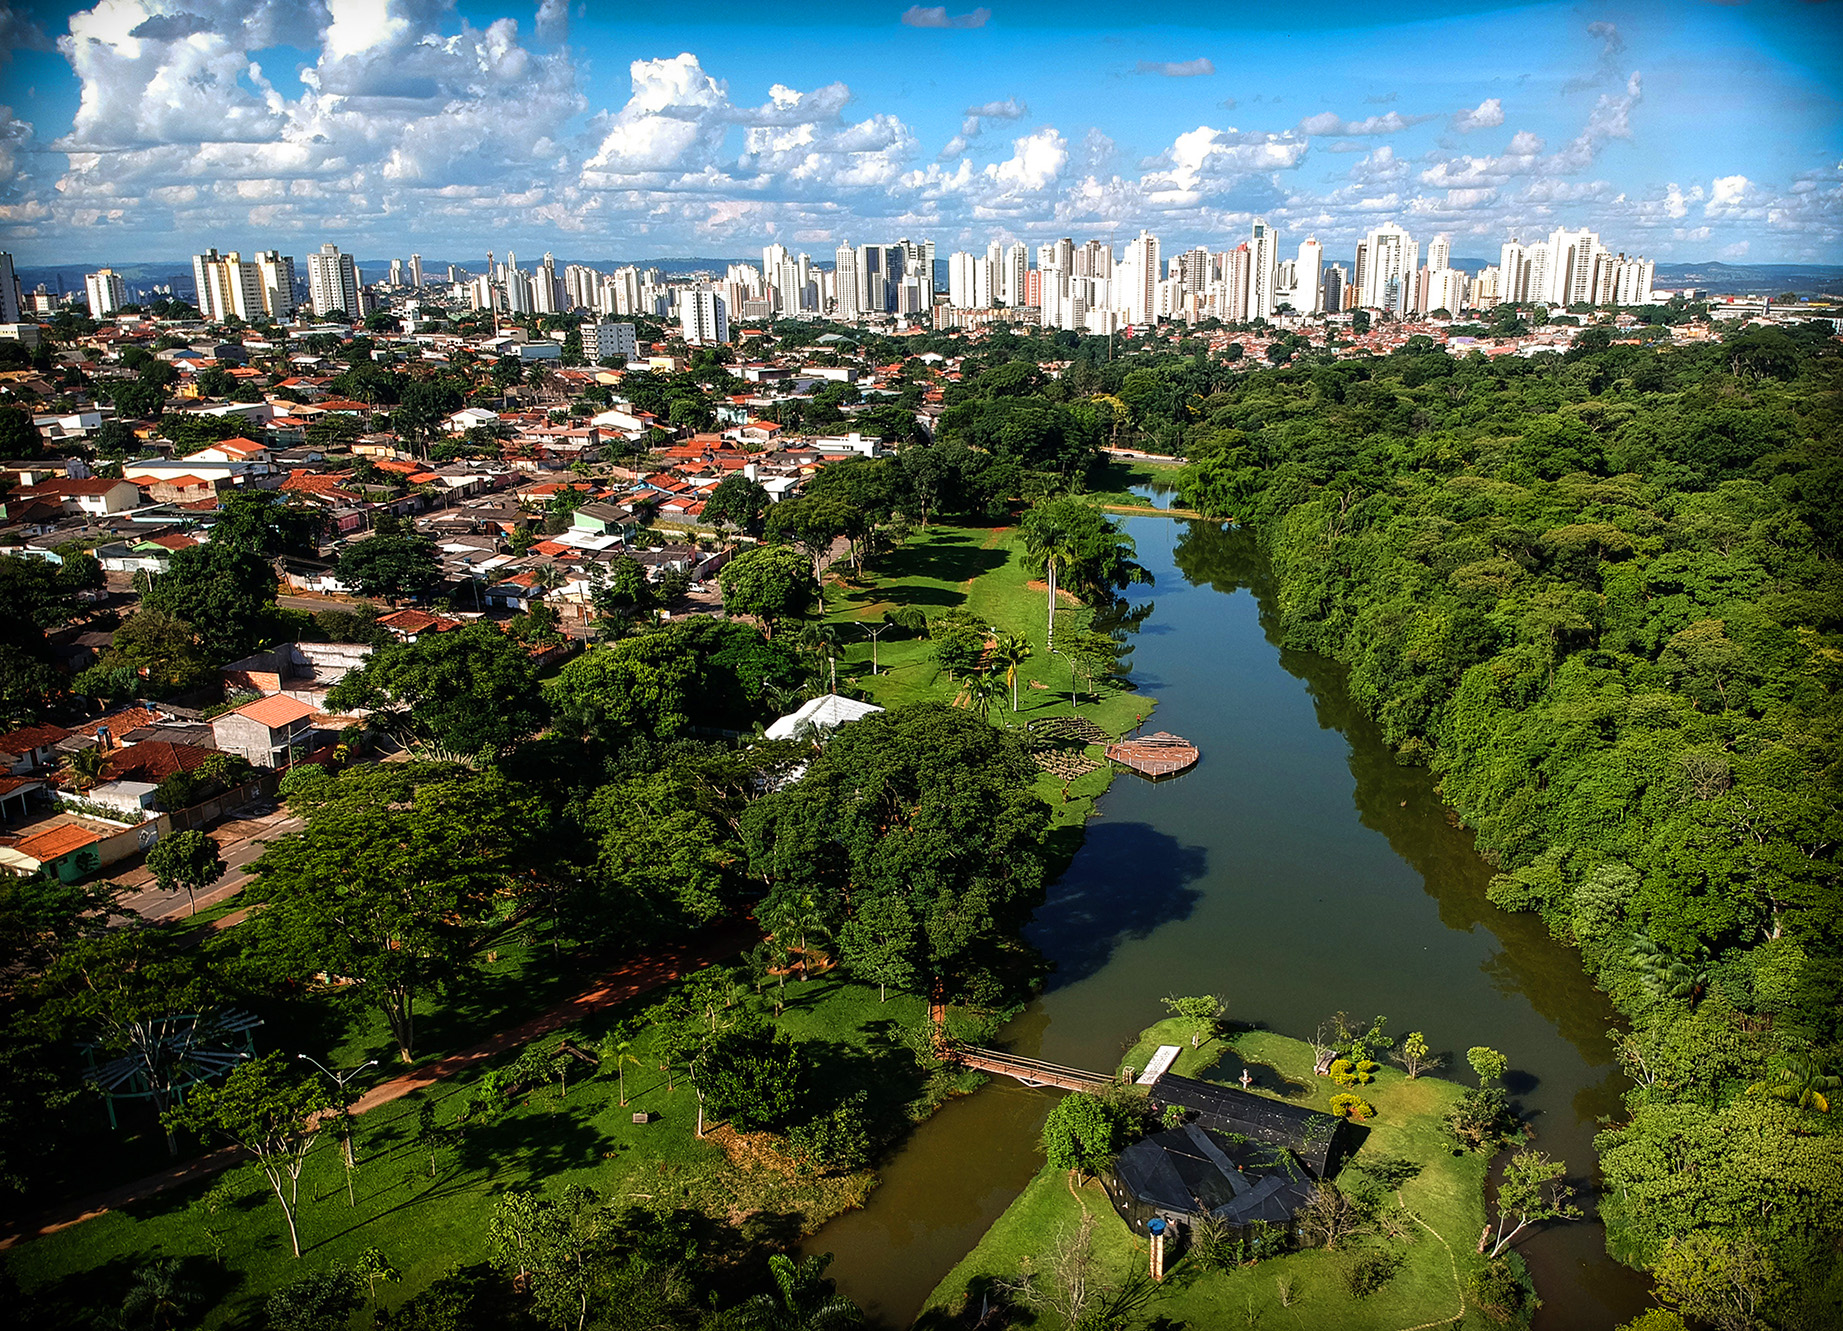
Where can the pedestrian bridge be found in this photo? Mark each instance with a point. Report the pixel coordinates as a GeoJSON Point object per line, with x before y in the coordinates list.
{"type": "Point", "coordinates": [1030, 1071]}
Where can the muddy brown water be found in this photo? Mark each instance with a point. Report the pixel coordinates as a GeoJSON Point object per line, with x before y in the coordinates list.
{"type": "Point", "coordinates": [1297, 870]}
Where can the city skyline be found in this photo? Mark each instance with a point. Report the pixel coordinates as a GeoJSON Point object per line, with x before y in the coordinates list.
{"type": "Point", "coordinates": [148, 129]}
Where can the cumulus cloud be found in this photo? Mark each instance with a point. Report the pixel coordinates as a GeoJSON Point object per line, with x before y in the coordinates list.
{"type": "Point", "coordinates": [553, 20]}
{"type": "Point", "coordinates": [974, 124]}
{"type": "Point", "coordinates": [1607, 68]}
{"type": "Point", "coordinates": [1328, 124]}
{"type": "Point", "coordinates": [1176, 69]}
{"type": "Point", "coordinates": [19, 33]}
{"type": "Point", "coordinates": [916, 16]}
{"type": "Point", "coordinates": [1488, 114]}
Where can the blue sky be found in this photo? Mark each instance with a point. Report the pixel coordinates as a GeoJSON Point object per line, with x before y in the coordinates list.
{"type": "Point", "coordinates": [144, 129]}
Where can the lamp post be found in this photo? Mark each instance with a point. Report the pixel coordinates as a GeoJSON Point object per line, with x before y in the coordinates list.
{"type": "Point", "coordinates": [1073, 705]}
{"type": "Point", "coordinates": [341, 1080]}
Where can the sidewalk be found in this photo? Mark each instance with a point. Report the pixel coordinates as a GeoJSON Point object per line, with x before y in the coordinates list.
{"type": "Point", "coordinates": [628, 980]}
{"type": "Point", "coordinates": [241, 842]}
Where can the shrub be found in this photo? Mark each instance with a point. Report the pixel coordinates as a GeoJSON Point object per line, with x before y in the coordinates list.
{"type": "Point", "coordinates": [1345, 1072]}
{"type": "Point", "coordinates": [1502, 1293]}
{"type": "Point", "coordinates": [1370, 1271]}
{"type": "Point", "coordinates": [1351, 1106]}
{"type": "Point", "coordinates": [839, 1140]}
{"type": "Point", "coordinates": [317, 1301]}
{"type": "Point", "coordinates": [1482, 1119]}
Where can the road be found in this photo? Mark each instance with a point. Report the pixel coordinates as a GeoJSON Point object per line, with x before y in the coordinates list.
{"type": "Point", "coordinates": [240, 841]}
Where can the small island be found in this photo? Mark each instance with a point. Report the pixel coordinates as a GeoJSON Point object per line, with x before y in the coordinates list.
{"type": "Point", "coordinates": [1281, 1196]}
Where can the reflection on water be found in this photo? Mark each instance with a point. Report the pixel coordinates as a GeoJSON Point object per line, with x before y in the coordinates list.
{"type": "Point", "coordinates": [1297, 870]}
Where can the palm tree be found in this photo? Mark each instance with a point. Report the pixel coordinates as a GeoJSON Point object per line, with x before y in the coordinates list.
{"type": "Point", "coordinates": [980, 687]}
{"type": "Point", "coordinates": [800, 920]}
{"type": "Point", "coordinates": [87, 765]}
{"type": "Point", "coordinates": [1049, 547]}
{"type": "Point", "coordinates": [1010, 651]}
{"type": "Point", "coordinates": [548, 576]}
{"type": "Point", "coordinates": [802, 1299]}
{"type": "Point", "coordinates": [1802, 1083]}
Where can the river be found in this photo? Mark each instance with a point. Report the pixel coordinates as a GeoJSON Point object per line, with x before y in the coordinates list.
{"type": "Point", "coordinates": [1297, 870]}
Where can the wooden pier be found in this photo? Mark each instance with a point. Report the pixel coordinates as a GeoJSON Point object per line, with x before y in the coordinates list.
{"type": "Point", "coordinates": [1155, 756]}
{"type": "Point", "coordinates": [1030, 1071]}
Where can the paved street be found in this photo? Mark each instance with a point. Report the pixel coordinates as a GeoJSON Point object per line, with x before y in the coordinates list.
{"type": "Point", "coordinates": [240, 842]}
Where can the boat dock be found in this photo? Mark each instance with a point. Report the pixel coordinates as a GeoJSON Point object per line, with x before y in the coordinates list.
{"type": "Point", "coordinates": [1155, 756]}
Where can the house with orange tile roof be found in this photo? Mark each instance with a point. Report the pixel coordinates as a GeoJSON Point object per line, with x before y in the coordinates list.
{"type": "Point", "coordinates": [265, 731]}
{"type": "Point", "coordinates": [68, 851]}
{"type": "Point", "coordinates": [30, 747]}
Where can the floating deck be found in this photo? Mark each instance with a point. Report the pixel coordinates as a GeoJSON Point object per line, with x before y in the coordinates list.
{"type": "Point", "coordinates": [1155, 756]}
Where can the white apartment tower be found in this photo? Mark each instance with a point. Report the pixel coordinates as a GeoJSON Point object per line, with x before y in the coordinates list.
{"type": "Point", "coordinates": [106, 291]}
{"type": "Point", "coordinates": [1390, 260]}
{"type": "Point", "coordinates": [275, 273]}
{"type": "Point", "coordinates": [1138, 289]}
{"type": "Point", "coordinates": [1263, 271]}
{"type": "Point", "coordinates": [702, 315]}
{"type": "Point", "coordinates": [415, 270]}
{"type": "Point", "coordinates": [848, 286]}
{"type": "Point", "coordinates": [1307, 294]}
{"type": "Point", "coordinates": [332, 282]}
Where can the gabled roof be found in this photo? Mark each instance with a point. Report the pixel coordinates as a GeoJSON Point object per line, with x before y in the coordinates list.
{"type": "Point", "coordinates": [1310, 1133]}
{"type": "Point", "coordinates": [827, 712]}
{"type": "Point", "coordinates": [275, 711]}
{"type": "Point", "coordinates": [27, 738]}
{"type": "Point", "coordinates": [154, 761]}
{"type": "Point", "coordinates": [56, 842]}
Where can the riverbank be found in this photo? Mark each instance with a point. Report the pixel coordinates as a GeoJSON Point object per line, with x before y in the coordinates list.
{"type": "Point", "coordinates": [1429, 1223]}
{"type": "Point", "coordinates": [424, 1199]}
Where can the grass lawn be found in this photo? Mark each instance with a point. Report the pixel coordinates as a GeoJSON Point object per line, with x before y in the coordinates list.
{"type": "Point", "coordinates": [982, 569]}
{"type": "Point", "coordinates": [427, 1224]}
{"type": "Point", "coordinates": [1446, 1195]}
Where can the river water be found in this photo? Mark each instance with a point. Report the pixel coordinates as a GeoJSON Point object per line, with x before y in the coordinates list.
{"type": "Point", "coordinates": [1297, 870]}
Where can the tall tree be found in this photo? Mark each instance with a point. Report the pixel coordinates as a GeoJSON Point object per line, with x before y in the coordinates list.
{"type": "Point", "coordinates": [269, 1111]}
{"type": "Point", "coordinates": [770, 582]}
{"type": "Point", "coordinates": [390, 880]}
{"type": "Point", "coordinates": [463, 691]}
{"type": "Point", "coordinates": [187, 861]}
{"type": "Point", "coordinates": [1073, 543]}
{"type": "Point", "coordinates": [391, 566]}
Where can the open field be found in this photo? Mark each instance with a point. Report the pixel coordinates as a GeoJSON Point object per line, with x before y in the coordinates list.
{"type": "Point", "coordinates": [1445, 1196]}
{"type": "Point", "coordinates": [429, 1219]}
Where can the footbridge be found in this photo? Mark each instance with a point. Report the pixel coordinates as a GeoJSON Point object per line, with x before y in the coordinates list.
{"type": "Point", "coordinates": [1030, 1071]}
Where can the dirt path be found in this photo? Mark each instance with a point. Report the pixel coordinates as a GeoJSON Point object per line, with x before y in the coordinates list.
{"type": "Point", "coordinates": [632, 978]}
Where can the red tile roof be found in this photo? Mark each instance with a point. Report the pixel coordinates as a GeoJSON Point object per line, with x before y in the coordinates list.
{"type": "Point", "coordinates": [27, 738]}
{"type": "Point", "coordinates": [153, 761]}
{"type": "Point", "coordinates": [56, 842]}
{"type": "Point", "coordinates": [275, 711]}
{"type": "Point", "coordinates": [123, 721]}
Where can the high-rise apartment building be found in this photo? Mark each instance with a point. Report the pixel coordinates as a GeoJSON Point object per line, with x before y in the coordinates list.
{"type": "Point", "coordinates": [847, 302]}
{"type": "Point", "coordinates": [1137, 296]}
{"type": "Point", "coordinates": [1307, 295]}
{"type": "Point", "coordinates": [1263, 274]}
{"type": "Point", "coordinates": [332, 282]}
{"type": "Point", "coordinates": [1332, 289]}
{"type": "Point", "coordinates": [396, 272]}
{"type": "Point", "coordinates": [415, 270]}
{"type": "Point", "coordinates": [702, 316]}
{"type": "Point", "coordinates": [106, 292]}
{"type": "Point", "coordinates": [275, 275]}
{"type": "Point", "coordinates": [602, 340]}
{"type": "Point", "coordinates": [9, 290]}
{"type": "Point", "coordinates": [1390, 260]}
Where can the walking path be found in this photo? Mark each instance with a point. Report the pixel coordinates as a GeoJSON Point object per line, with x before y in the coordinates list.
{"type": "Point", "coordinates": [633, 977]}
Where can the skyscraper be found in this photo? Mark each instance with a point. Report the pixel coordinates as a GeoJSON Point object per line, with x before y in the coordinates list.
{"type": "Point", "coordinates": [106, 291]}
{"type": "Point", "coordinates": [1308, 296]}
{"type": "Point", "coordinates": [847, 302]}
{"type": "Point", "coordinates": [1513, 272]}
{"type": "Point", "coordinates": [1138, 294]}
{"type": "Point", "coordinates": [9, 290]}
{"type": "Point", "coordinates": [396, 272]}
{"type": "Point", "coordinates": [332, 282]}
{"type": "Point", "coordinates": [415, 270]}
{"type": "Point", "coordinates": [1390, 260]}
{"type": "Point", "coordinates": [1263, 275]}
{"type": "Point", "coordinates": [275, 273]}
{"type": "Point", "coordinates": [702, 316]}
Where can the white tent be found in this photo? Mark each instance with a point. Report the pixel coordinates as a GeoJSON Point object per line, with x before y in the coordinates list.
{"type": "Point", "coordinates": [823, 713]}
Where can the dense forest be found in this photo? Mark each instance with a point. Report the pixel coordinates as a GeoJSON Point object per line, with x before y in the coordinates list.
{"type": "Point", "coordinates": [1598, 594]}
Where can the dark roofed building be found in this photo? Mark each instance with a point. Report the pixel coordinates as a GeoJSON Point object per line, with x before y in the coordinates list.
{"type": "Point", "coordinates": [1191, 1172]}
{"type": "Point", "coordinates": [1320, 1140]}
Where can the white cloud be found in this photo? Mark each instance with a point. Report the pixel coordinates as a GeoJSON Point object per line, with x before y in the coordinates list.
{"type": "Point", "coordinates": [553, 20]}
{"type": "Point", "coordinates": [937, 17]}
{"type": "Point", "coordinates": [974, 124]}
{"type": "Point", "coordinates": [1488, 114]}
{"type": "Point", "coordinates": [1176, 69]}
{"type": "Point", "coordinates": [1327, 124]}
{"type": "Point", "coordinates": [1606, 69]}
{"type": "Point", "coordinates": [1036, 160]}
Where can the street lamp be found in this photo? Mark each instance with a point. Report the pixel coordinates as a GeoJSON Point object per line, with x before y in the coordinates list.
{"type": "Point", "coordinates": [1057, 651]}
{"type": "Point", "coordinates": [341, 1079]}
